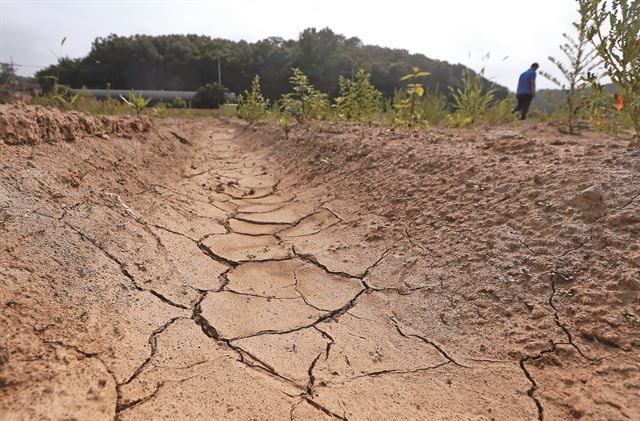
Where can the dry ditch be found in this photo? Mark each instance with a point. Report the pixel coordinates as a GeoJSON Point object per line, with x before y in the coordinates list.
{"type": "Point", "coordinates": [203, 269]}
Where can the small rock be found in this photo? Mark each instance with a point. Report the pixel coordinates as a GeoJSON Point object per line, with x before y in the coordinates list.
{"type": "Point", "coordinates": [589, 198]}
{"type": "Point", "coordinates": [503, 188]}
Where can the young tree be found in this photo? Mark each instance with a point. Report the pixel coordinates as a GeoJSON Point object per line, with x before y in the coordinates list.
{"type": "Point", "coordinates": [305, 102]}
{"type": "Point", "coordinates": [251, 105]}
{"type": "Point", "coordinates": [613, 27]}
{"type": "Point", "coordinates": [359, 100]}
{"type": "Point", "coordinates": [582, 60]}
{"type": "Point", "coordinates": [414, 90]}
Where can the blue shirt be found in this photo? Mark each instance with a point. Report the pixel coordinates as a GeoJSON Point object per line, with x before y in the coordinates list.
{"type": "Point", "coordinates": [524, 83]}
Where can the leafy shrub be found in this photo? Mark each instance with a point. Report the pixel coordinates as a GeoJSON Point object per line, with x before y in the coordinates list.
{"type": "Point", "coordinates": [359, 100]}
{"type": "Point", "coordinates": [56, 94]}
{"type": "Point", "coordinates": [472, 101]}
{"type": "Point", "coordinates": [613, 27]}
{"type": "Point", "coordinates": [177, 102]}
{"type": "Point", "coordinates": [211, 95]}
{"type": "Point", "coordinates": [305, 102]}
{"type": "Point", "coordinates": [251, 105]}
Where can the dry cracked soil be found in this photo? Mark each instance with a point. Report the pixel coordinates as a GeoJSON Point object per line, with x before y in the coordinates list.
{"type": "Point", "coordinates": [203, 269]}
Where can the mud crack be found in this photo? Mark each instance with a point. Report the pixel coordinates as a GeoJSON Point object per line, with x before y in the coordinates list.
{"type": "Point", "coordinates": [427, 341]}
{"type": "Point", "coordinates": [124, 270]}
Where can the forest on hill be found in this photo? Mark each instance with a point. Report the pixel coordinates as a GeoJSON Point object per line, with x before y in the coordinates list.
{"type": "Point", "coordinates": [186, 62]}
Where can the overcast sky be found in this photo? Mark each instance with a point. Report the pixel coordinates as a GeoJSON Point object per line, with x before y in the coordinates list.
{"type": "Point", "coordinates": [458, 31]}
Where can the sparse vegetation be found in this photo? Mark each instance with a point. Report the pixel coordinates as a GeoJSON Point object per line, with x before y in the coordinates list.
{"type": "Point", "coordinates": [178, 102]}
{"type": "Point", "coordinates": [56, 95]}
{"type": "Point", "coordinates": [613, 27]}
{"type": "Point", "coordinates": [582, 60]}
{"type": "Point", "coordinates": [135, 101]}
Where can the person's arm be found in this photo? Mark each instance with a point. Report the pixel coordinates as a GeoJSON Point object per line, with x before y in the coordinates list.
{"type": "Point", "coordinates": [533, 86]}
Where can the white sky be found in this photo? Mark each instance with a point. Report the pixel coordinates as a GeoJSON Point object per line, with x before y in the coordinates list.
{"type": "Point", "coordinates": [458, 31]}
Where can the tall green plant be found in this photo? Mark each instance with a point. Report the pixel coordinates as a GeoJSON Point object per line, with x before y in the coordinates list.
{"type": "Point", "coordinates": [613, 27]}
{"type": "Point", "coordinates": [472, 101]}
{"type": "Point", "coordinates": [359, 100]}
{"type": "Point", "coordinates": [251, 105]}
{"type": "Point", "coordinates": [305, 102]}
{"type": "Point", "coordinates": [582, 60]}
{"type": "Point", "coordinates": [413, 90]}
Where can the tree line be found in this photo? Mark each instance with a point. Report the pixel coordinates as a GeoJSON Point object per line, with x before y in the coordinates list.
{"type": "Point", "coordinates": [187, 62]}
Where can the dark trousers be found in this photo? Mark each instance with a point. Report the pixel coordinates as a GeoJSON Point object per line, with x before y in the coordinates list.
{"type": "Point", "coordinates": [524, 102]}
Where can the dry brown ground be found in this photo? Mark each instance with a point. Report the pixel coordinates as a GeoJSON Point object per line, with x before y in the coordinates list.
{"type": "Point", "coordinates": [206, 270]}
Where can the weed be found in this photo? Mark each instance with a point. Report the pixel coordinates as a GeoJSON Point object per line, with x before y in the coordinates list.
{"type": "Point", "coordinates": [138, 103]}
{"type": "Point", "coordinates": [472, 101]}
{"type": "Point", "coordinates": [285, 121]}
{"type": "Point", "coordinates": [178, 102]}
{"type": "Point", "coordinates": [359, 100]}
{"type": "Point", "coordinates": [406, 103]}
{"type": "Point", "coordinates": [305, 102]}
{"type": "Point", "coordinates": [251, 105]}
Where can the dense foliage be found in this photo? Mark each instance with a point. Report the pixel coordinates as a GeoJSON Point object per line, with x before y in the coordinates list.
{"type": "Point", "coordinates": [211, 95]}
{"type": "Point", "coordinates": [186, 62]}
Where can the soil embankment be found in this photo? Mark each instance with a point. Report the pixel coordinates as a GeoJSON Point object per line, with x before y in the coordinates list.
{"type": "Point", "coordinates": [188, 269]}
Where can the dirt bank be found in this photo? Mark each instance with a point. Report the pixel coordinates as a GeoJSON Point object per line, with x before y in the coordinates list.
{"type": "Point", "coordinates": [189, 269]}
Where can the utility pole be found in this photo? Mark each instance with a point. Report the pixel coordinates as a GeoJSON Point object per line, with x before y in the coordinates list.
{"type": "Point", "coordinates": [219, 72]}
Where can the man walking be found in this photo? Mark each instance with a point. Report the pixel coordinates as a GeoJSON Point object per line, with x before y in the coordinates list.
{"type": "Point", "coordinates": [526, 90]}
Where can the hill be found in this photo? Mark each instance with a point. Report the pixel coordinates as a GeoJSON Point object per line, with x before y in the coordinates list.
{"type": "Point", "coordinates": [186, 62]}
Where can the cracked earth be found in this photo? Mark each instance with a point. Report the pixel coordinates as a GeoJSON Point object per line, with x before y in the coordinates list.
{"type": "Point", "coordinates": [201, 269]}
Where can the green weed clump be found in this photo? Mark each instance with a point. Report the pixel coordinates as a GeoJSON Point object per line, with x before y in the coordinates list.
{"type": "Point", "coordinates": [305, 102]}
{"type": "Point", "coordinates": [359, 100]}
{"type": "Point", "coordinates": [252, 106]}
{"type": "Point", "coordinates": [177, 102]}
{"type": "Point", "coordinates": [472, 101]}
{"type": "Point", "coordinates": [56, 94]}
{"type": "Point", "coordinates": [135, 101]}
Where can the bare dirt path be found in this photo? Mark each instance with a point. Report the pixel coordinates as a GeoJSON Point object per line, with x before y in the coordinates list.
{"type": "Point", "coordinates": [179, 272]}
